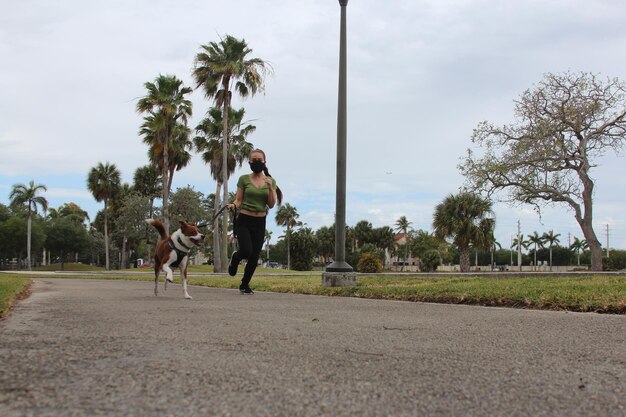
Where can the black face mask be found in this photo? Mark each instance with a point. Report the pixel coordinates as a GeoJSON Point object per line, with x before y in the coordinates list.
{"type": "Point", "coordinates": [257, 166]}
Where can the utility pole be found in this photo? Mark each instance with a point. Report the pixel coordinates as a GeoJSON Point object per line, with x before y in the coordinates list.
{"type": "Point", "coordinates": [511, 251]}
{"type": "Point", "coordinates": [340, 273]}
{"type": "Point", "coordinates": [607, 240]}
{"type": "Point", "coordinates": [519, 246]}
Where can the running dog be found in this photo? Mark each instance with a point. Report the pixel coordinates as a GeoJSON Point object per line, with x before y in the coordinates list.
{"type": "Point", "coordinates": [173, 251]}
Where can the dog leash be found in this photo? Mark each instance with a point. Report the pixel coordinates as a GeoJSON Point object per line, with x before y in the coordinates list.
{"type": "Point", "coordinates": [220, 211]}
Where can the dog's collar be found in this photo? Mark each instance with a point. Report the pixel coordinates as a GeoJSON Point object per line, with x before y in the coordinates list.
{"type": "Point", "coordinates": [182, 244]}
{"type": "Point", "coordinates": [175, 248]}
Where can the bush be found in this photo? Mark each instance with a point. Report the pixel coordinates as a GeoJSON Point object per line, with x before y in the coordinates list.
{"type": "Point", "coordinates": [429, 261]}
{"type": "Point", "coordinates": [616, 261]}
{"type": "Point", "coordinates": [369, 262]}
{"type": "Point", "coordinates": [303, 249]}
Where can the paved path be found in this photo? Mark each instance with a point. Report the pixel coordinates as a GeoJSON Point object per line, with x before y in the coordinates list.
{"type": "Point", "coordinates": [110, 348]}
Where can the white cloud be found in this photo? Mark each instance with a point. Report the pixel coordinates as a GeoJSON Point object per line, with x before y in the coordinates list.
{"type": "Point", "coordinates": [422, 74]}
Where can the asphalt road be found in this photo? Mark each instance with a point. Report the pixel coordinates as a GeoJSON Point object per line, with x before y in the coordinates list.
{"type": "Point", "coordinates": [111, 348]}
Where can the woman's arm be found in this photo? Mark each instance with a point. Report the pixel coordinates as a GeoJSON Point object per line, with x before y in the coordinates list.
{"type": "Point", "coordinates": [271, 198]}
{"type": "Point", "coordinates": [238, 199]}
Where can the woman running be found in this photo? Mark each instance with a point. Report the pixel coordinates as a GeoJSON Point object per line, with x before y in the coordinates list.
{"type": "Point", "coordinates": [256, 194]}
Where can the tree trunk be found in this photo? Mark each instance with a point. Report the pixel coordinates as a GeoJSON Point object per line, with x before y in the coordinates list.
{"type": "Point", "coordinates": [28, 234]}
{"type": "Point", "coordinates": [171, 178]}
{"type": "Point", "coordinates": [550, 258]}
{"type": "Point", "coordinates": [217, 258]}
{"type": "Point", "coordinates": [586, 221]}
{"type": "Point", "coordinates": [224, 248]}
{"type": "Point", "coordinates": [106, 235]}
{"type": "Point", "coordinates": [148, 234]}
{"type": "Point", "coordinates": [123, 262]}
{"type": "Point", "coordinates": [166, 184]}
{"type": "Point", "coordinates": [406, 252]}
{"type": "Point", "coordinates": [464, 258]}
{"type": "Point", "coordinates": [288, 250]}
{"type": "Point", "coordinates": [594, 246]}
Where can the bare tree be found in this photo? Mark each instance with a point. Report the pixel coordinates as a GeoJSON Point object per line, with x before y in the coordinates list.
{"type": "Point", "coordinates": [562, 126]}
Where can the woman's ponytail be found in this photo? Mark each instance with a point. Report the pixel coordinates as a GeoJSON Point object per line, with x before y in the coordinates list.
{"type": "Point", "coordinates": [279, 193]}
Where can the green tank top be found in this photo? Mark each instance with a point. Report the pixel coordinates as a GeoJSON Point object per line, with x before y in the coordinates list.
{"type": "Point", "coordinates": [254, 199]}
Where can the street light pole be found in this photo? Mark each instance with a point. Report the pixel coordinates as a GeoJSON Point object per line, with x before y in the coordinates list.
{"type": "Point", "coordinates": [340, 273]}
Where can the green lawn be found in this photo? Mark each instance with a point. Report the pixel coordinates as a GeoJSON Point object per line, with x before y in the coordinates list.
{"type": "Point", "coordinates": [597, 293]}
{"type": "Point", "coordinates": [12, 288]}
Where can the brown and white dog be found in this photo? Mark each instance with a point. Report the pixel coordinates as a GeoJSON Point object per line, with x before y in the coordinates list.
{"type": "Point", "coordinates": [173, 251]}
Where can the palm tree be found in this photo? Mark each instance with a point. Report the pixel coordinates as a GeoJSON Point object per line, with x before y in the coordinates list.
{"type": "Point", "coordinates": [147, 182]}
{"type": "Point", "coordinates": [22, 195]}
{"type": "Point", "coordinates": [538, 242]}
{"type": "Point", "coordinates": [468, 220]}
{"type": "Point", "coordinates": [519, 243]}
{"type": "Point", "coordinates": [402, 225]}
{"type": "Point", "coordinates": [208, 142]}
{"type": "Point", "coordinates": [178, 154]}
{"type": "Point", "coordinates": [579, 245]}
{"type": "Point", "coordinates": [103, 182]}
{"type": "Point", "coordinates": [168, 111]}
{"type": "Point", "coordinates": [219, 67]}
{"type": "Point", "coordinates": [268, 237]}
{"type": "Point", "coordinates": [495, 245]}
{"type": "Point", "coordinates": [550, 238]}
{"type": "Point", "coordinates": [287, 216]}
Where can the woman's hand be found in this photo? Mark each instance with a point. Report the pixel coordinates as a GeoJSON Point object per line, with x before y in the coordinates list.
{"type": "Point", "coordinates": [269, 183]}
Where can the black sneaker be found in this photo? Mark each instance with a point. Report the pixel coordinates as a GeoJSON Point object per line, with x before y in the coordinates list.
{"type": "Point", "coordinates": [245, 290]}
{"type": "Point", "coordinates": [232, 266]}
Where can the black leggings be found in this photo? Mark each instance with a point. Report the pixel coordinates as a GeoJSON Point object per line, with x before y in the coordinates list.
{"type": "Point", "coordinates": [250, 232]}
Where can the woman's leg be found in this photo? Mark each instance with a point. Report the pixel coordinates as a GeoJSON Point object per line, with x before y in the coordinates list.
{"type": "Point", "coordinates": [257, 237]}
{"type": "Point", "coordinates": [244, 240]}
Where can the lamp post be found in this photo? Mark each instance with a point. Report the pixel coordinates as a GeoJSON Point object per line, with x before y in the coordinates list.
{"type": "Point", "coordinates": [340, 273]}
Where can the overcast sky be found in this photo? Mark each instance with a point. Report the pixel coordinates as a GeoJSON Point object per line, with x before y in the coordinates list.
{"type": "Point", "coordinates": [421, 75]}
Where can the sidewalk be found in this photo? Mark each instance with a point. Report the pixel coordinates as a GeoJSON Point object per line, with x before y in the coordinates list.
{"type": "Point", "coordinates": [111, 348]}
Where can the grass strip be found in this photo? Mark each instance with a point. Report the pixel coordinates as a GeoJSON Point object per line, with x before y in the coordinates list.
{"type": "Point", "coordinates": [582, 293]}
{"type": "Point", "coordinates": [12, 289]}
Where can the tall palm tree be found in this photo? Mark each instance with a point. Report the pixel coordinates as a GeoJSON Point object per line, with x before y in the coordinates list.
{"type": "Point", "coordinates": [209, 142]}
{"type": "Point", "coordinates": [104, 181]}
{"type": "Point", "coordinates": [72, 212]}
{"type": "Point", "coordinates": [287, 216]}
{"type": "Point", "coordinates": [219, 67]}
{"type": "Point", "coordinates": [268, 237]}
{"type": "Point", "coordinates": [22, 195]}
{"type": "Point", "coordinates": [519, 243]}
{"type": "Point", "coordinates": [538, 242]}
{"type": "Point", "coordinates": [168, 112]}
{"type": "Point", "coordinates": [578, 245]}
{"type": "Point", "coordinates": [178, 154]}
{"type": "Point", "coordinates": [468, 220]}
{"type": "Point", "coordinates": [495, 246]}
{"type": "Point", "coordinates": [147, 182]}
{"type": "Point", "coordinates": [550, 238]}
{"type": "Point", "coordinates": [402, 225]}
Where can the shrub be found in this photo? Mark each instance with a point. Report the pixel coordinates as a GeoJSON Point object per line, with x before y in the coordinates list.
{"type": "Point", "coordinates": [429, 261]}
{"type": "Point", "coordinates": [616, 260]}
{"type": "Point", "coordinates": [369, 262]}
